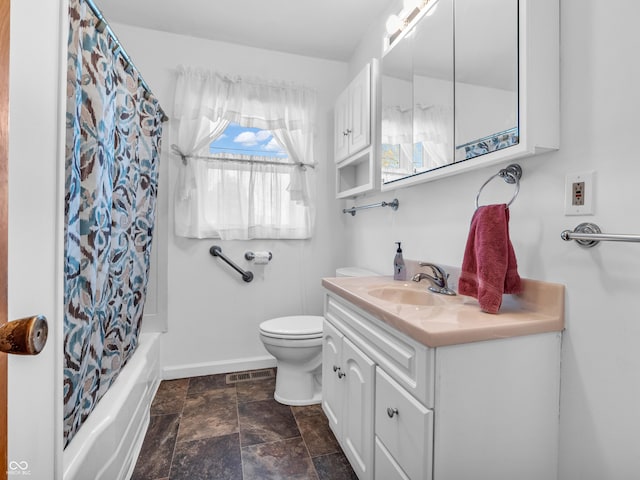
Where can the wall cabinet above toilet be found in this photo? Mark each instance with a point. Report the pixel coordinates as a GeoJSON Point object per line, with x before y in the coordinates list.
{"type": "Point", "coordinates": [355, 141]}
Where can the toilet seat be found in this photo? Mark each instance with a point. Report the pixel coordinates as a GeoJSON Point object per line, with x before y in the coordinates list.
{"type": "Point", "coordinates": [297, 327]}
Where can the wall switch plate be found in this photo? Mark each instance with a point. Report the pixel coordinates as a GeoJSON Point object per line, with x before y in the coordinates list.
{"type": "Point", "coordinates": [579, 194]}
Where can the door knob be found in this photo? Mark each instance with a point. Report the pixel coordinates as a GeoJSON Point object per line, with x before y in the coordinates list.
{"type": "Point", "coordinates": [26, 336]}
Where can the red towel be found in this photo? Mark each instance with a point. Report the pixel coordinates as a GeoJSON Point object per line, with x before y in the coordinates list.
{"type": "Point", "coordinates": [489, 266]}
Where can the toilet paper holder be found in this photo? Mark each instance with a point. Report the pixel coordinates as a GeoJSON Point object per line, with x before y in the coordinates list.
{"type": "Point", "coordinates": [251, 255]}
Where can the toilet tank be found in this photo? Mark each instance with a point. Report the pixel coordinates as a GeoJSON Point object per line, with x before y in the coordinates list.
{"type": "Point", "coordinates": [355, 272]}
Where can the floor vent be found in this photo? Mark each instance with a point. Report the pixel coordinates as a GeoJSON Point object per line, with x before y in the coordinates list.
{"type": "Point", "coordinates": [252, 375]}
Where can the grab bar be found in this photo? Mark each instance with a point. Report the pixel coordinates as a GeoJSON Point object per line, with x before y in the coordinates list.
{"type": "Point", "coordinates": [589, 235]}
{"type": "Point", "coordinates": [393, 204]}
{"type": "Point", "coordinates": [216, 251]}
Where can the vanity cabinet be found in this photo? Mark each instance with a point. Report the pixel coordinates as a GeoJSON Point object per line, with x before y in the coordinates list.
{"type": "Point", "coordinates": [348, 403]}
{"type": "Point", "coordinates": [355, 141]}
{"type": "Point", "coordinates": [405, 410]}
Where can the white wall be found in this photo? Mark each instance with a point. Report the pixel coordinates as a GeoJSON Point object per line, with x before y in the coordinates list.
{"type": "Point", "coordinates": [212, 315]}
{"type": "Point", "coordinates": [600, 99]}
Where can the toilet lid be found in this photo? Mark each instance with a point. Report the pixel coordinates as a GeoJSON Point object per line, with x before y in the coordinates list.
{"type": "Point", "coordinates": [298, 326]}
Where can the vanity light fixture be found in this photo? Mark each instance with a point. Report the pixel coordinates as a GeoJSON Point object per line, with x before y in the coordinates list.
{"type": "Point", "coordinates": [396, 24]}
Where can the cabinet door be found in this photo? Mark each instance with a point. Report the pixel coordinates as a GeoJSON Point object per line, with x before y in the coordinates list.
{"type": "Point", "coordinates": [359, 126]}
{"type": "Point", "coordinates": [357, 420]}
{"type": "Point", "coordinates": [386, 467]}
{"type": "Point", "coordinates": [331, 386]}
{"type": "Point", "coordinates": [405, 427]}
{"type": "Point", "coordinates": [340, 126]}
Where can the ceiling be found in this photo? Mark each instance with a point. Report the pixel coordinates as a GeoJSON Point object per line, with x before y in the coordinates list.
{"type": "Point", "coordinates": [329, 29]}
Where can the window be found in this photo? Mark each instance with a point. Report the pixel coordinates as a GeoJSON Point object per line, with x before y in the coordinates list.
{"type": "Point", "coordinates": [246, 147]}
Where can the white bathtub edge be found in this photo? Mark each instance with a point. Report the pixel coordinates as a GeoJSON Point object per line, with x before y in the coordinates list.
{"type": "Point", "coordinates": [111, 438]}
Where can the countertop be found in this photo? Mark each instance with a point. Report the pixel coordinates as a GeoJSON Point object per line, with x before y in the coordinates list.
{"type": "Point", "coordinates": [458, 319]}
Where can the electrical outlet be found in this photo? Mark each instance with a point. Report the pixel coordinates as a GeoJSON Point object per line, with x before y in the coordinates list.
{"type": "Point", "coordinates": [579, 194]}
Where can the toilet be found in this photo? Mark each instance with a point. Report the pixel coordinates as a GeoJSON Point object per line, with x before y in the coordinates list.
{"type": "Point", "coordinates": [296, 343]}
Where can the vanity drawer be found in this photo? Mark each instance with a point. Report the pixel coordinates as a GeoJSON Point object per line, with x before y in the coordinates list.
{"type": "Point", "coordinates": [409, 362]}
{"type": "Point", "coordinates": [404, 427]}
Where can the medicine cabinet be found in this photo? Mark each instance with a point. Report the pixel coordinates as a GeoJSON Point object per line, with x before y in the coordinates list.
{"type": "Point", "coordinates": [466, 84]}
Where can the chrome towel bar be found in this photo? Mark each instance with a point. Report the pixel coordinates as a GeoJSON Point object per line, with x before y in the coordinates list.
{"type": "Point", "coordinates": [393, 204]}
{"type": "Point", "coordinates": [216, 251]}
{"type": "Point", "coordinates": [511, 175]}
{"type": "Point", "coordinates": [589, 235]}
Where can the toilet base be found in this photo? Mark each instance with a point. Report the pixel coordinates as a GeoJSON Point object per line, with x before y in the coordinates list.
{"type": "Point", "coordinates": [297, 388]}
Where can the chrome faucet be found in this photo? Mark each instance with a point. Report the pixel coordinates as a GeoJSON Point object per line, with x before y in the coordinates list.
{"type": "Point", "coordinates": [438, 279]}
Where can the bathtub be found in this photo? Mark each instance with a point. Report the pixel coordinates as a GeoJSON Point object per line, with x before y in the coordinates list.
{"type": "Point", "coordinates": [108, 443]}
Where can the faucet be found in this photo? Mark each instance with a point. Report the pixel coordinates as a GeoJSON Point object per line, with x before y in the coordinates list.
{"type": "Point", "coordinates": [438, 279]}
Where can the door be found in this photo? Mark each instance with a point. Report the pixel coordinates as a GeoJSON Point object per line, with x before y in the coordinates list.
{"type": "Point", "coordinates": [360, 111]}
{"type": "Point", "coordinates": [4, 149]}
{"type": "Point", "coordinates": [34, 240]}
{"type": "Point", "coordinates": [340, 126]}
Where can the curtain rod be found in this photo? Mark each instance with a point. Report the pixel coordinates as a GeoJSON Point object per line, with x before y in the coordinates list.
{"type": "Point", "coordinates": [246, 160]}
{"type": "Point", "coordinates": [123, 52]}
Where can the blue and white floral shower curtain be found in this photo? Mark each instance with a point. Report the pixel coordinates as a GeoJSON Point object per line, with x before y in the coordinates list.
{"type": "Point", "coordinates": [112, 150]}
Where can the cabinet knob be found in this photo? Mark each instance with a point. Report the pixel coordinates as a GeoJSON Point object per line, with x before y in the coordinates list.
{"type": "Point", "coordinates": [392, 411]}
{"type": "Point", "coordinates": [335, 368]}
{"type": "Point", "coordinates": [345, 132]}
{"type": "Point", "coordinates": [348, 131]}
{"type": "Point", "coordinates": [341, 374]}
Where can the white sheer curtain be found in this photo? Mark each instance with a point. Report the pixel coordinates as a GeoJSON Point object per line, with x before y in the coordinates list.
{"type": "Point", "coordinates": [433, 127]}
{"type": "Point", "coordinates": [234, 200]}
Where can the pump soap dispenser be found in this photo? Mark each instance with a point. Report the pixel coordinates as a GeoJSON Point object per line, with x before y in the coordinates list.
{"type": "Point", "coordinates": [398, 265]}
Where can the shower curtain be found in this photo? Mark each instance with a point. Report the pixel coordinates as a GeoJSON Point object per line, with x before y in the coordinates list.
{"type": "Point", "coordinates": [113, 131]}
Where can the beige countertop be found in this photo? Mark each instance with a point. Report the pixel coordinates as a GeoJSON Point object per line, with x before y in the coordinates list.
{"type": "Point", "coordinates": [457, 319]}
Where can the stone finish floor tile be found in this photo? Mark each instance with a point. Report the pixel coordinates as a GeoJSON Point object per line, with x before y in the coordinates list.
{"type": "Point", "coordinates": [155, 457]}
{"type": "Point", "coordinates": [317, 435]}
{"type": "Point", "coordinates": [286, 459]}
{"type": "Point", "coordinates": [210, 458]}
{"type": "Point", "coordinates": [170, 397]}
{"type": "Point", "coordinates": [207, 414]}
{"type": "Point", "coordinates": [202, 428]}
{"type": "Point", "coordinates": [208, 382]}
{"type": "Point", "coordinates": [334, 467]}
{"type": "Point", "coordinates": [265, 421]}
{"type": "Point", "coordinates": [255, 391]}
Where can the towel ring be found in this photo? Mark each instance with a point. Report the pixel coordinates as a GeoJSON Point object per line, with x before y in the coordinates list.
{"type": "Point", "coordinates": [511, 175]}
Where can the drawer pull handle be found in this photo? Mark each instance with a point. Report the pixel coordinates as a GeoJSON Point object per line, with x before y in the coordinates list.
{"type": "Point", "coordinates": [392, 411]}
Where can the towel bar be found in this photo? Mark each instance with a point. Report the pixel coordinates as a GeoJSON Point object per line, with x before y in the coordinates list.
{"type": "Point", "coordinates": [393, 204]}
{"type": "Point", "coordinates": [589, 235]}
{"type": "Point", "coordinates": [511, 175]}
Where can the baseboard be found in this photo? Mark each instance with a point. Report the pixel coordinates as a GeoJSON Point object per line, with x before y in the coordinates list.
{"type": "Point", "coordinates": [173, 372]}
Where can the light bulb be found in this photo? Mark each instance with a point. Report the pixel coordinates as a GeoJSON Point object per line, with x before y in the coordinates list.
{"type": "Point", "coordinates": [393, 24]}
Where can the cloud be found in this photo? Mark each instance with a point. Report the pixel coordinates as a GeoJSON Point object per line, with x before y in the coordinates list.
{"type": "Point", "coordinates": [273, 146]}
{"type": "Point", "coordinates": [248, 139]}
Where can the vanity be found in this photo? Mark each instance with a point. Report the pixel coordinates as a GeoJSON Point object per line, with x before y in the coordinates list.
{"type": "Point", "coordinates": [423, 386]}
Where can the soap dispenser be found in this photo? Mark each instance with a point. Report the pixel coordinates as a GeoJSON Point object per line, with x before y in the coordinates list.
{"type": "Point", "coordinates": [398, 265]}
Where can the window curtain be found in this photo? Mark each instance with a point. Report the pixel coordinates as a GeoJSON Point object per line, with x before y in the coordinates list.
{"type": "Point", "coordinates": [113, 131]}
{"type": "Point", "coordinates": [206, 190]}
{"type": "Point", "coordinates": [433, 127]}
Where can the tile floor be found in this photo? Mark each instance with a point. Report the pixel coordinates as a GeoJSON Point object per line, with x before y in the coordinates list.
{"type": "Point", "coordinates": [202, 428]}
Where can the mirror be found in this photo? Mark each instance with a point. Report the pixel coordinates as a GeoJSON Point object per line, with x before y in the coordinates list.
{"type": "Point", "coordinates": [449, 97]}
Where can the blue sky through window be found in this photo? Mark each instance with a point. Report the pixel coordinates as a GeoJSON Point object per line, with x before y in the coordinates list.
{"type": "Point", "coordinates": [240, 140]}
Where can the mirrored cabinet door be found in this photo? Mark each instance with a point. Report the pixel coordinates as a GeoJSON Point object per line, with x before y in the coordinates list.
{"type": "Point", "coordinates": [486, 76]}
{"type": "Point", "coordinates": [476, 81]}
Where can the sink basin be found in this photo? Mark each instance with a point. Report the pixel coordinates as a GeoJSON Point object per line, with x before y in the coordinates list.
{"type": "Point", "coordinates": [410, 296]}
